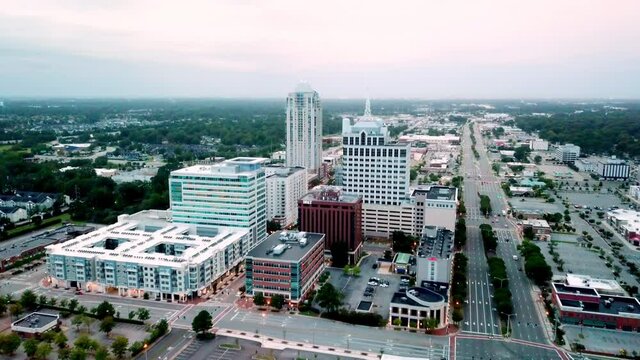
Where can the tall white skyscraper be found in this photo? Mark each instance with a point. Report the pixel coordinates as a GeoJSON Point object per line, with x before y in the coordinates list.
{"type": "Point", "coordinates": [373, 165]}
{"type": "Point", "coordinates": [304, 128]}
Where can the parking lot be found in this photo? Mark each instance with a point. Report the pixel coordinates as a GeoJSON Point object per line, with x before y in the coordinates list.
{"type": "Point", "coordinates": [577, 259]}
{"type": "Point", "coordinates": [601, 200]}
{"type": "Point", "coordinates": [354, 288]}
{"type": "Point", "coordinates": [602, 340]}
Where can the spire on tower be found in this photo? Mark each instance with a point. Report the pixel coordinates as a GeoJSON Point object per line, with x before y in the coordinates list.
{"type": "Point", "coordinates": [367, 108]}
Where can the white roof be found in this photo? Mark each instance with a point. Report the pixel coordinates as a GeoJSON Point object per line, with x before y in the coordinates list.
{"type": "Point", "coordinates": [598, 284]}
{"type": "Point", "coordinates": [536, 223]}
{"type": "Point", "coordinates": [303, 87]}
{"type": "Point", "coordinates": [143, 231]}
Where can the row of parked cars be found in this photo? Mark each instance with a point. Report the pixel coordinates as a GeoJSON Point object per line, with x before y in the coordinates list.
{"type": "Point", "coordinates": [374, 281]}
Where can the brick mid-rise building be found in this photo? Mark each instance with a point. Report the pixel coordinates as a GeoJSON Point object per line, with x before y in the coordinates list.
{"type": "Point", "coordinates": [286, 263]}
{"type": "Point", "coordinates": [336, 214]}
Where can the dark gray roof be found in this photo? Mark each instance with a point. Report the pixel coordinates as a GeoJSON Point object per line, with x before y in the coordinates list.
{"type": "Point", "coordinates": [436, 242]}
{"type": "Point", "coordinates": [9, 209]}
{"type": "Point", "coordinates": [294, 250]}
{"type": "Point", "coordinates": [36, 320]}
{"type": "Point", "coordinates": [419, 292]}
{"type": "Point", "coordinates": [437, 192]}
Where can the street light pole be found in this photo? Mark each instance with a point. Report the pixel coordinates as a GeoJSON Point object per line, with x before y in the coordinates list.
{"type": "Point", "coordinates": [501, 281]}
{"type": "Point", "coordinates": [145, 351]}
{"type": "Point", "coordinates": [508, 322]}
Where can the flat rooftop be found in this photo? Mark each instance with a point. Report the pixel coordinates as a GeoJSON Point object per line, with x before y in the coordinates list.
{"type": "Point", "coordinates": [562, 288]}
{"type": "Point", "coordinates": [286, 246]}
{"type": "Point", "coordinates": [233, 166]}
{"type": "Point", "coordinates": [436, 192]}
{"type": "Point", "coordinates": [536, 223]}
{"type": "Point", "coordinates": [609, 304]}
{"type": "Point", "coordinates": [135, 238]}
{"type": "Point", "coordinates": [36, 320]}
{"type": "Point", "coordinates": [332, 194]}
{"type": "Point", "coordinates": [601, 285]}
{"type": "Point", "coordinates": [282, 171]}
{"type": "Point", "coordinates": [422, 294]}
{"type": "Point", "coordinates": [435, 242]}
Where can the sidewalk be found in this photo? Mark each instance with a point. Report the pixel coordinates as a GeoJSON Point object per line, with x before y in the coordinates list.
{"type": "Point", "coordinates": [279, 344]}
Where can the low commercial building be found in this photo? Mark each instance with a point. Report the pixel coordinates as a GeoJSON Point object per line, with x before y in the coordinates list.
{"type": "Point", "coordinates": [143, 254]}
{"type": "Point", "coordinates": [287, 264]}
{"type": "Point", "coordinates": [540, 228]}
{"type": "Point", "coordinates": [538, 145]}
{"type": "Point", "coordinates": [35, 324]}
{"type": "Point", "coordinates": [567, 153]}
{"type": "Point", "coordinates": [586, 165]}
{"type": "Point", "coordinates": [330, 211]}
{"type": "Point", "coordinates": [433, 263]}
{"type": "Point", "coordinates": [634, 192]}
{"type": "Point", "coordinates": [285, 185]}
{"type": "Point", "coordinates": [412, 308]}
{"type": "Point", "coordinates": [627, 223]}
{"type": "Point", "coordinates": [604, 286]}
{"type": "Point", "coordinates": [613, 169]}
{"type": "Point", "coordinates": [588, 307]}
{"type": "Point", "coordinates": [430, 139]}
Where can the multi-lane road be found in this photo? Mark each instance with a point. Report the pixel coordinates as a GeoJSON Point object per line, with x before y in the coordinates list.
{"type": "Point", "coordinates": [480, 317]}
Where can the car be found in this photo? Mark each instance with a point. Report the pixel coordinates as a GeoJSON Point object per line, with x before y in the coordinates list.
{"type": "Point", "coordinates": [372, 283]}
{"type": "Point", "coordinates": [384, 284]}
{"type": "Point", "coordinates": [374, 266]}
{"type": "Point", "coordinates": [506, 225]}
{"type": "Point", "coordinates": [369, 288]}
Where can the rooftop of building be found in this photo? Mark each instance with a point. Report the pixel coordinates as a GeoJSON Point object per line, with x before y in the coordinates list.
{"type": "Point", "coordinates": [286, 246]}
{"type": "Point", "coordinates": [330, 193]}
{"type": "Point", "coordinates": [436, 192]}
{"type": "Point", "coordinates": [283, 171]}
{"type": "Point", "coordinates": [233, 166]}
{"type": "Point", "coordinates": [303, 87]}
{"type": "Point", "coordinates": [538, 223]}
{"type": "Point", "coordinates": [436, 242]}
{"type": "Point", "coordinates": [138, 237]}
{"type": "Point", "coordinates": [36, 320]}
{"type": "Point", "coordinates": [576, 290]}
{"type": "Point", "coordinates": [568, 147]}
{"type": "Point", "coordinates": [608, 304]}
{"type": "Point", "coordinates": [9, 209]}
{"type": "Point", "coordinates": [422, 294]}
{"type": "Point", "coordinates": [602, 285]}
{"type": "Point", "coordinates": [625, 215]}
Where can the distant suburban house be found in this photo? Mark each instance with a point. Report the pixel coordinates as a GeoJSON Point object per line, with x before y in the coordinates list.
{"type": "Point", "coordinates": [14, 213]}
{"type": "Point", "coordinates": [32, 201]}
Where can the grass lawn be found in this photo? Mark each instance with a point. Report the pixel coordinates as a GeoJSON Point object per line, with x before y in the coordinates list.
{"type": "Point", "coordinates": [230, 346]}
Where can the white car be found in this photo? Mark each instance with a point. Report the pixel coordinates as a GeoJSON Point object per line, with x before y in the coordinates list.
{"type": "Point", "coordinates": [384, 284]}
{"type": "Point", "coordinates": [372, 283]}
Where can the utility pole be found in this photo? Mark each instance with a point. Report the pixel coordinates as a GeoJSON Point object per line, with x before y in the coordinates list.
{"type": "Point", "coordinates": [508, 322]}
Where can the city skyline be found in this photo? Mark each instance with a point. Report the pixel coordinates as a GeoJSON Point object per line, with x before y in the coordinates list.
{"type": "Point", "coordinates": [430, 50]}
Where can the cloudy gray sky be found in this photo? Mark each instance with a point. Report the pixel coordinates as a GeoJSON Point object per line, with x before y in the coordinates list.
{"type": "Point", "coordinates": [244, 48]}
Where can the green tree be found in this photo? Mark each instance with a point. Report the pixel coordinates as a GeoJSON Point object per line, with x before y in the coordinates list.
{"type": "Point", "coordinates": [119, 346]}
{"type": "Point", "coordinates": [16, 309]}
{"type": "Point", "coordinates": [9, 343]}
{"type": "Point", "coordinates": [105, 309]}
{"type": "Point", "coordinates": [102, 353]}
{"type": "Point", "coordinates": [107, 324]}
{"type": "Point", "coordinates": [402, 242]}
{"type": "Point", "coordinates": [537, 159]}
{"type": "Point", "coordinates": [78, 354]}
{"type": "Point", "coordinates": [202, 322]}
{"type": "Point", "coordinates": [143, 314]}
{"type": "Point", "coordinates": [53, 301]}
{"type": "Point", "coordinates": [30, 347]}
{"type": "Point", "coordinates": [132, 314]}
{"type": "Point", "coordinates": [329, 298]}
{"type": "Point", "coordinates": [430, 324]}
{"type": "Point", "coordinates": [42, 351]}
{"type": "Point", "coordinates": [88, 321]}
{"type": "Point", "coordinates": [29, 300]}
{"type": "Point", "coordinates": [77, 321]}
{"type": "Point", "coordinates": [60, 340]}
{"type": "Point", "coordinates": [43, 300]}
{"type": "Point", "coordinates": [85, 342]}
{"type": "Point", "coordinates": [457, 316]}
{"type": "Point", "coordinates": [73, 304]}
{"type": "Point", "coordinates": [258, 299]}
{"type": "Point", "coordinates": [277, 301]}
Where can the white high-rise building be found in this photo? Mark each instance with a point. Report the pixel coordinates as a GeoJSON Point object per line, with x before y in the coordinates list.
{"type": "Point", "coordinates": [285, 185]}
{"type": "Point", "coordinates": [304, 128]}
{"type": "Point", "coordinates": [567, 153]}
{"type": "Point", "coordinates": [373, 165]}
{"type": "Point", "coordinates": [229, 194]}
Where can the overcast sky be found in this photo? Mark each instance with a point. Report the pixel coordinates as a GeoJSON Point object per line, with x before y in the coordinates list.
{"type": "Point", "coordinates": [243, 48]}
